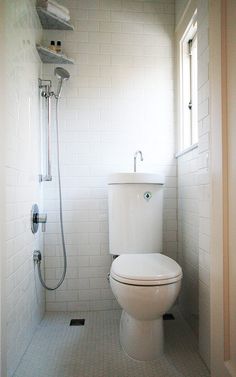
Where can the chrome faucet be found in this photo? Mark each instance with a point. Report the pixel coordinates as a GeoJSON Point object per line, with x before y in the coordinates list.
{"type": "Point", "coordinates": [135, 158]}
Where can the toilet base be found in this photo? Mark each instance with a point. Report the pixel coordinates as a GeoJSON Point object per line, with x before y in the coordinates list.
{"type": "Point", "coordinates": [141, 340]}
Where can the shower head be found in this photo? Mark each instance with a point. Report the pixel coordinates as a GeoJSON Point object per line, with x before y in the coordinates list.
{"type": "Point", "coordinates": [62, 74]}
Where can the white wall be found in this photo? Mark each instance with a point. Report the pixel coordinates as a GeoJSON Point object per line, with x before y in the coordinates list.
{"type": "Point", "coordinates": [119, 99]}
{"type": "Point", "coordinates": [25, 299]}
{"type": "Point", "coordinates": [188, 234]}
{"type": "Point", "coordinates": [2, 209]}
{"type": "Point", "coordinates": [197, 269]}
{"type": "Point", "coordinates": [204, 185]}
{"type": "Point", "coordinates": [180, 6]}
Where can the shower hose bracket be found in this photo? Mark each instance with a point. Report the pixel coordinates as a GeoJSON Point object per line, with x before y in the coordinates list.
{"type": "Point", "coordinates": [37, 256]}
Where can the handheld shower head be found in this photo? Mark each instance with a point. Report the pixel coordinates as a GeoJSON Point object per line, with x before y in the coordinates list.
{"type": "Point", "coordinates": [62, 74]}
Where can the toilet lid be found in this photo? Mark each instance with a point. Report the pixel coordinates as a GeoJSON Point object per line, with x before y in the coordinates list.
{"type": "Point", "coordinates": [145, 269]}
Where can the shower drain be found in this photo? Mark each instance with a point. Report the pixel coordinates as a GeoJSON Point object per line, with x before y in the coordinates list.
{"type": "Point", "coordinates": [168, 317]}
{"type": "Point", "coordinates": [77, 322]}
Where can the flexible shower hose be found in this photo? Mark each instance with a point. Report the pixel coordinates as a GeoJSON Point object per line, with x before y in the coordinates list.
{"type": "Point", "coordinates": [61, 214]}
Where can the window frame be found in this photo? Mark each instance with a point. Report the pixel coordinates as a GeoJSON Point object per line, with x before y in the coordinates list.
{"type": "Point", "coordinates": [188, 108]}
{"type": "Point", "coordinates": [186, 29]}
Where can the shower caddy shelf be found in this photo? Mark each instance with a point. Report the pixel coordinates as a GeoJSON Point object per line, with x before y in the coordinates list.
{"type": "Point", "coordinates": [51, 57]}
{"type": "Point", "coordinates": [51, 22]}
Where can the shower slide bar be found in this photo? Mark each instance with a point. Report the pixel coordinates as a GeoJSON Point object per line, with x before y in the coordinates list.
{"type": "Point", "coordinates": [46, 85]}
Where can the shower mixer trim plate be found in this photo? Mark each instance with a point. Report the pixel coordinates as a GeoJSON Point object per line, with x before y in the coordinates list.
{"type": "Point", "coordinates": [37, 218]}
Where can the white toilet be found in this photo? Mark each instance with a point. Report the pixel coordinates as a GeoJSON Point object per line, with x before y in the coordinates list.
{"type": "Point", "coordinates": [144, 282]}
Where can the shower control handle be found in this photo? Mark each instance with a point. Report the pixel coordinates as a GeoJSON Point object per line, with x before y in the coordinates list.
{"type": "Point", "coordinates": [42, 219]}
{"type": "Point", "coordinates": [37, 218]}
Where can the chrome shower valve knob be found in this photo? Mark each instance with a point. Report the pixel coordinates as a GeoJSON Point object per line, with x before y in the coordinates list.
{"type": "Point", "coordinates": [37, 218]}
{"type": "Point", "coordinates": [42, 219]}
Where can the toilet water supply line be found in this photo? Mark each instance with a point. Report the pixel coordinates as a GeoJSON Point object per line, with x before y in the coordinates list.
{"type": "Point", "coordinates": [62, 75]}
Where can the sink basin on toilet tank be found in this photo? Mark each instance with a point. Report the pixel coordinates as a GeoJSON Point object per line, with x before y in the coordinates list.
{"type": "Point", "coordinates": [135, 202]}
{"type": "Point", "coordinates": [119, 178]}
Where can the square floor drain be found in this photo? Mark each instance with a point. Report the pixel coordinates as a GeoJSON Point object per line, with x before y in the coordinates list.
{"type": "Point", "coordinates": [77, 322]}
{"type": "Point", "coordinates": [168, 316]}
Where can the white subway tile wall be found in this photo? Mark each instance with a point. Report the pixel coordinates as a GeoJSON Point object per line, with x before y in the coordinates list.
{"type": "Point", "coordinates": [119, 99]}
{"type": "Point", "coordinates": [180, 6]}
{"type": "Point", "coordinates": [2, 182]}
{"type": "Point", "coordinates": [194, 200]}
{"type": "Point", "coordinates": [204, 181]}
{"type": "Point", "coordinates": [188, 235]}
{"type": "Point", "coordinates": [24, 296]}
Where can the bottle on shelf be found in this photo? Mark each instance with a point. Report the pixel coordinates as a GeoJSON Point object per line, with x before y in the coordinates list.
{"type": "Point", "coordinates": [52, 46]}
{"type": "Point", "coordinates": [58, 47]}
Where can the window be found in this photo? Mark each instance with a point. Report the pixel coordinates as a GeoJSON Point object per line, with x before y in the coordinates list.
{"type": "Point", "coordinates": [188, 112]}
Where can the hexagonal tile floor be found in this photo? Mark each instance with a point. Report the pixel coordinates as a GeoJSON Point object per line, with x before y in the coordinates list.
{"type": "Point", "coordinates": [93, 350]}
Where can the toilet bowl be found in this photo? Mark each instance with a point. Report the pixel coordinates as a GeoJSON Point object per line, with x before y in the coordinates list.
{"type": "Point", "coordinates": [146, 286]}
{"type": "Point", "coordinates": [144, 282]}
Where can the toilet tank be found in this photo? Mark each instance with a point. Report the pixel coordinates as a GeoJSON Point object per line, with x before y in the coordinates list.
{"type": "Point", "coordinates": [135, 202]}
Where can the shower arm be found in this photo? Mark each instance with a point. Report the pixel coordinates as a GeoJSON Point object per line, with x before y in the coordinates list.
{"type": "Point", "coordinates": [47, 94]}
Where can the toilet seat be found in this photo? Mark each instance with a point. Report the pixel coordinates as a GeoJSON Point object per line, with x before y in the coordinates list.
{"type": "Point", "coordinates": [145, 269]}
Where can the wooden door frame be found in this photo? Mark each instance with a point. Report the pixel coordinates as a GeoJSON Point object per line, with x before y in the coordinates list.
{"type": "Point", "coordinates": [3, 344]}
{"type": "Point", "coordinates": [220, 316]}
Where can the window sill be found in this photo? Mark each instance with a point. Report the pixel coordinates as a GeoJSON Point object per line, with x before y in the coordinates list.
{"type": "Point", "coordinates": [189, 149]}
